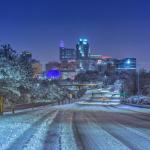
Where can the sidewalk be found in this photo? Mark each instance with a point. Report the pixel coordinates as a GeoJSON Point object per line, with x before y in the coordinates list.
{"type": "Point", "coordinates": [38, 104]}
{"type": "Point", "coordinates": [29, 105]}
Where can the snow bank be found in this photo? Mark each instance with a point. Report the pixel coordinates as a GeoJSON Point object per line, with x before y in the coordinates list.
{"type": "Point", "coordinates": [37, 140]}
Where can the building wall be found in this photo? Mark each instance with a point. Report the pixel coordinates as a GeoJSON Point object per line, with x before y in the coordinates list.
{"type": "Point", "coordinates": [70, 74]}
{"type": "Point", "coordinates": [26, 56]}
{"type": "Point", "coordinates": [127, 63]}
{"type": "Point", "coordinates": [37, 69]}
{"type": "Point", "coordinates": [51, 65]}
{"type": "Point", "coordinates": [83, 50]}
{"type": "Point", "coordinates": [67, 54]}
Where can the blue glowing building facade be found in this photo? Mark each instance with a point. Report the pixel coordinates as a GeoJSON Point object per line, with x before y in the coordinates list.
{"type": "Point", "coordinates": [82, 49]}
{"type": "Point", "coordinates": [83, 55]}
{"type": "Point", "coordinates": [53, 74]}
{"type": "Point", "coordinates": [127, 64]}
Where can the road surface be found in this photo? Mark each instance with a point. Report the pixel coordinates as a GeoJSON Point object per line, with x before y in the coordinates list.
{"type": "Point", "coordinates": [77, 127]}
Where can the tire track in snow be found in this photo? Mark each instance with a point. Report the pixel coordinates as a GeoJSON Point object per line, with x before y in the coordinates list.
{"type": "Point", "coordinates": [128, 136]}
{"type": "Point", "coordinates": [77, 133]}
{"type": "Point", "coordinates": [53, 139]}
{"type": "Point", "coordinates": [39, 137]}
{"type": "Point", "coordinates": [95, 138]}
{"type": "Point", "coordinates": [13, 126]}
{"type": "Point", "coordinates": [131, 123]}
{"type": "Point", "coordinates": [141, 115]}
{"type": "Point", "coordinates": [137, 117]}
{"type": "Point", "coordinates": [21, 142]}
{"type": "Point", "coordinates": [86, 133]}
{"type": "Point", "coordinates": [60, 134]}
{"type": "Point", "coordinates": [110, 131]}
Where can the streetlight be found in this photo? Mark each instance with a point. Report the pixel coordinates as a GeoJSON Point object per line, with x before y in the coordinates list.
{"type": "Point", "coordinates": [138, 83]}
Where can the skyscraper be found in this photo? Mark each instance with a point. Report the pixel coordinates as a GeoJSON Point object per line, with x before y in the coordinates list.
{"type": "Point", "coordinates": [83, 50]}
{"type": "Point", "coordinates": [83, 53]}
{"type": "Point", "coordinates": [66, 54]}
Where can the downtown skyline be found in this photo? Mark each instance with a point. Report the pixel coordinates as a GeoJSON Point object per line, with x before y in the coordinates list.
{"type": "Point", "coordinates": [114, 28]}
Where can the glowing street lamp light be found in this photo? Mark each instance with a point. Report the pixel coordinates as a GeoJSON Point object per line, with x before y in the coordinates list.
{"type": "Point", "coordinates": [128, 62]}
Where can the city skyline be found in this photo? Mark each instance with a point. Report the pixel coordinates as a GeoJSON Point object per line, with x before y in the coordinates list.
{"type": "Point", "coordinates": [119, 29]}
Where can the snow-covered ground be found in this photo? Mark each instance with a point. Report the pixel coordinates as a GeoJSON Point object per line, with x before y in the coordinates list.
{"type": "Point", "coordinates": [75, 126]}
{"type": "Point", "coordinates": [98, 102]}
{"type": "Point", "coordinates": [14, 128]}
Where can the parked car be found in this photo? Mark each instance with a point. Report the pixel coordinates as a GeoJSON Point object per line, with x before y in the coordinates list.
{"type": "Point", "coordinates": [138, 99]}
{"type": "Point", "coordinates": [145, 100]}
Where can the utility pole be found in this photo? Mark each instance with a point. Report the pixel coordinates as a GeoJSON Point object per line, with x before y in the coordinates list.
{"type": "Point", "coordinates": [138, 78]}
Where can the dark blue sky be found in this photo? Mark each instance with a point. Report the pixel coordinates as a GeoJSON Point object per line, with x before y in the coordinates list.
{"type": "Point", "coordinates": [120, 28]}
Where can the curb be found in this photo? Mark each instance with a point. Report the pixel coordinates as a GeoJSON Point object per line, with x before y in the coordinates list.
{"type": "Point", "coordinates": [141, 106]}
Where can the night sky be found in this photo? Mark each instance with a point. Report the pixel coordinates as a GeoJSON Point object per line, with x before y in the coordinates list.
{"type": "Point", "coordinates": [118, 28]}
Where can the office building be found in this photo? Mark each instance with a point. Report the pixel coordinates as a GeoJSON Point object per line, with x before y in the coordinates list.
{"type": "Point", "coordinates": [82, 49]}
{"type": "Point", "coordinates": [127, 64]}
{"type": "Point", "coordinates": [51, 65]}
{"type": "Point", "coordinates": [82, 54]}
{"type": "Point", "coordinates": [67, 69]}
{"type": "Point", "coordinates": [37, 68]}
{"type": "Point", "coordinates": [66, 54]}
{"type": "Point", "coordinates": [26, 56]}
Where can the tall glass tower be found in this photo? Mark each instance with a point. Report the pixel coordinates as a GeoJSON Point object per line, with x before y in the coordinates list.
{"type": "Point", "coordinates": [82, 55]}
{"type": "Point", "coordinates": [82, 49]}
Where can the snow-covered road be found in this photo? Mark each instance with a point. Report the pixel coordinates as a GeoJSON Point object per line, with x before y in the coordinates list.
{"type": "Point", "coordinates": [77, 127]}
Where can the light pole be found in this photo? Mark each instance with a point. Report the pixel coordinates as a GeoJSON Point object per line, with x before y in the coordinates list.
{"type": "Point", "coordinates": [105, 80]}
{"type": "Point", "coordinates": [138, 81]}
{"type": "Point", "coordinates": [123, 87]}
